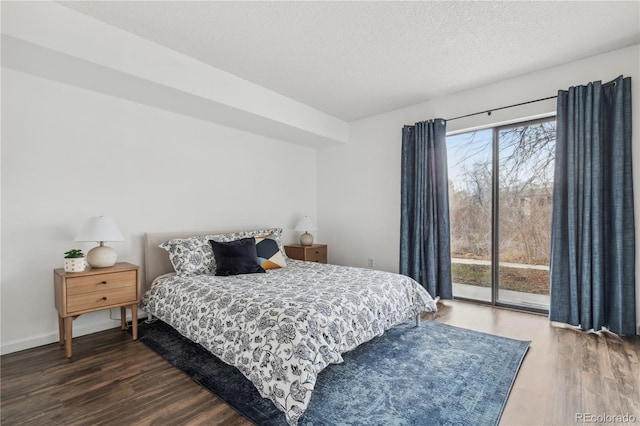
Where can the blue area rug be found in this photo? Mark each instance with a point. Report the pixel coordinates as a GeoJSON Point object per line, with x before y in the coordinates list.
{"type": "Point", "coordinates": [434, 374]}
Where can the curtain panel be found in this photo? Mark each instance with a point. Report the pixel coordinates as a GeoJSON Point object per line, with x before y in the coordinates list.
{"type": "Point", "coordinates": [592, 271]}
{"type": "Point", "coordinates": [425, 253]}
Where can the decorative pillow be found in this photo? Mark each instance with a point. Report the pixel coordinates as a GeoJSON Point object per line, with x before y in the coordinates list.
{"type": "Point", "coordinates": [236, 257]}
{"type": "Point", "coordinates": [269, 256]}
{"type": "Point", "coordinates": [191, 256]}
{"type": "Point", "coordinates": [194, 255]}
{"type": "Point", "coordinates": [276, 232]}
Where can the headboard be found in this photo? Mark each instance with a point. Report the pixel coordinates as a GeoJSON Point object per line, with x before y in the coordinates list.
{"type": "Point", "coordinates": [156, 260]}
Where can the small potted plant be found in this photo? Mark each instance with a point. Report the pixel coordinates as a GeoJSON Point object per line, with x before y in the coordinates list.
{"type": "Point", "coordinates": [74, 261]}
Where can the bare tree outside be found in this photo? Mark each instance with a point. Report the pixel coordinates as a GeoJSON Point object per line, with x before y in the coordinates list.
{"type": "Point", "coordinates": [525, 185]}
{"type": "Point", "coordinates": [526, 189]}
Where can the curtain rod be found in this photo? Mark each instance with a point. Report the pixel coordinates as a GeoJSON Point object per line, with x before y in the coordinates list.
{"type": "Point", "coordinates": [489, 111]}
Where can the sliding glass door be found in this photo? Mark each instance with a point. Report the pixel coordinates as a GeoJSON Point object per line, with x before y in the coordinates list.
{"type": "Point", "coordinates": [500, 188]}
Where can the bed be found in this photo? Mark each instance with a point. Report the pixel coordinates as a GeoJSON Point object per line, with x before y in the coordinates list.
{"type": "Point", "coordinates": [282, 327]}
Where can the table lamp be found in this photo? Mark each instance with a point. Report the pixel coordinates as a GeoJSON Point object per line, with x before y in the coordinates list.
{"type": "Point", "coordinates": [100, 229]}
{"type": "Point", "coordinates": [305, 224]}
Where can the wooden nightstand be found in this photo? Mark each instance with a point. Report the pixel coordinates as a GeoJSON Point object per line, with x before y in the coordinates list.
{"type": "Point", "coordinates": [93, 290]}
{"type": "Point", "coordinates": [312, 253]}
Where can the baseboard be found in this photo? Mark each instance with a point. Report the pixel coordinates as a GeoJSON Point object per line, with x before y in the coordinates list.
{"type": "Point", "coordinates": [48, 338]}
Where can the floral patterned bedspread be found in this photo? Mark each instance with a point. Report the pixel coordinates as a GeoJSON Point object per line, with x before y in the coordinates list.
{"type": "Point", "coordinates": [282, 328]}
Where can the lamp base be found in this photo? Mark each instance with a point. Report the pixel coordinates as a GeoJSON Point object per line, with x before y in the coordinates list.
{"type": "Point", "coordinates": [101, 257]}
{"type": "Point", "coordinates": [306, 239]}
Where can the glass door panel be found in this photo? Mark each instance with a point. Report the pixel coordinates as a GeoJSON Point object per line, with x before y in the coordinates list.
{"type": "Point", "coordinates": [525, 169]}
{"type": "Point", "coordinates": [470, 175]}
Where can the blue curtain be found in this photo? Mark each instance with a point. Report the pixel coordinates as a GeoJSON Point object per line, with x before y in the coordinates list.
{"type": "Point", "coordinates": [425, 253]}
{"type": "Point", "coordinates": [592, 274]}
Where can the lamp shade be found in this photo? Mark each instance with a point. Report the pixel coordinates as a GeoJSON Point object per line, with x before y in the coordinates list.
{"type": "Point", "coordinates": [100, 229]}
{"type": "Point", "coordinates": [306, 224]}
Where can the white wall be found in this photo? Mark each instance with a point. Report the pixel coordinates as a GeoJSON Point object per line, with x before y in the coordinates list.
{"type": "Point", "coordinates": [69, 153]}
{"type": "Point", "coordinates": [359, 183]}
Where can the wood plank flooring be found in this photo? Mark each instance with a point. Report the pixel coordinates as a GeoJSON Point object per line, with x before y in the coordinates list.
{"type": "Point", "coordinates": [112, 380]}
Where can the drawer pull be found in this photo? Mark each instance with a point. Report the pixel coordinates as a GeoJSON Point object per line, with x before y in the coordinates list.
{"type": "Point", "coordinates": [103, 282]}
{"type": "Point", "coordinates": [317, 252]}
{"type": "Point", "coordinates": [104, 298]}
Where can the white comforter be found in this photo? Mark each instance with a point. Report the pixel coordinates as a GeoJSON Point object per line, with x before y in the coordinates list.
{"type": "Point", "coordinates": [281, 328]}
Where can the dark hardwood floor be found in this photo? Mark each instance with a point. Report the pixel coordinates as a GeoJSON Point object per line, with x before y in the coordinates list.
{"type": "Point", "coordinates": [113, 380]}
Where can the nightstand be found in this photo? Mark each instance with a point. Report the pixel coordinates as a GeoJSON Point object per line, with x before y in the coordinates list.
{"type": "Point", "coordinates": [312, 253]}
{"type": "Point", "coordinates": [93, 290]}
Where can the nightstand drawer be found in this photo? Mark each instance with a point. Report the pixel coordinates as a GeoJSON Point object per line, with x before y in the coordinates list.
{"type": "Point", "coordinates": [97, 283]}
{"type": "Point", "coordinates": [101, 299]}
{"type": "Point", "coordinates": [316, 254]}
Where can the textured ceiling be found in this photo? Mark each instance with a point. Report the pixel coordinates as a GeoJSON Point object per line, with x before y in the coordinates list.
{"type": "Point", "coordinates": [356, 59]}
